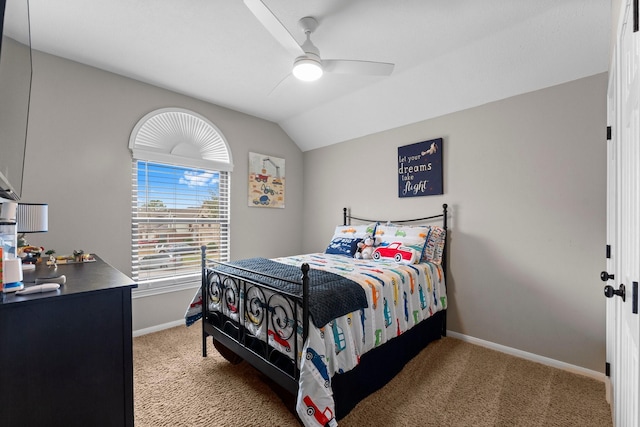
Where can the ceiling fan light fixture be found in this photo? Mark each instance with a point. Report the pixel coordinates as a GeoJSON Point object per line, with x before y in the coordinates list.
{"type": "Point", "coordinates": [307, 69]}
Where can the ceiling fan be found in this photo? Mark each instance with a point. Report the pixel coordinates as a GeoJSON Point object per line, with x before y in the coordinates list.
{"type": "Point", "coordinates": [308, 66]}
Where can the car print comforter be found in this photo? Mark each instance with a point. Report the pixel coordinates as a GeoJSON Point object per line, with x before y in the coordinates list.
{"type": "Point", "coordinates": [399, 296]}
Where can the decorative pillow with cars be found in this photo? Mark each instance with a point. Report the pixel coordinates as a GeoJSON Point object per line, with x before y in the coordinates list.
{"type": "Point", "coordinates": [434, 248]}
{"type": "Point", "coordinates": [404, 244]}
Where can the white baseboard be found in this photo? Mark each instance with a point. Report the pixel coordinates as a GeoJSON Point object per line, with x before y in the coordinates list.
{"type": "Point", "coordinates": [530, 356]}
{"type": "Point", "coordinates": [158, 328]}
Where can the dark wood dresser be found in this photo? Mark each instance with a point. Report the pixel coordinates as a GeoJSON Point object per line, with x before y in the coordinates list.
{"type": "Point", "coordinates": [66, 356]}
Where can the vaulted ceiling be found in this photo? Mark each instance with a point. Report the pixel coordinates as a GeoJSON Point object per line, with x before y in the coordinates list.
{"type": "Point", "coordinates": [448, 54]}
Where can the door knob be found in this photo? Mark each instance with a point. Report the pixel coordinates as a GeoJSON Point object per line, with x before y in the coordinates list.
{"type": "Point", "coordinates": [604, 276]}
{"type": "Point", "coordinates": [609, 292]}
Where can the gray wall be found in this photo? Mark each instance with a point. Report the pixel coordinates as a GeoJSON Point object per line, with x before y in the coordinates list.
{"type": "Point", "coordinates": [526, 181]}
{"type": "Point", "coordinates": [78, 161]}
{"type": "Point", "coordinates": [14, 94]}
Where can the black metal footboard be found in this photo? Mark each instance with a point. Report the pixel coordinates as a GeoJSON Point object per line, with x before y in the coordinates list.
{"type": "Point", "coordinates": [242, 315]}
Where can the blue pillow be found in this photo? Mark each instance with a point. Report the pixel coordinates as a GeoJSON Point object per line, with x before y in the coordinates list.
{"type": "Point", "coordinates": [346, 246]}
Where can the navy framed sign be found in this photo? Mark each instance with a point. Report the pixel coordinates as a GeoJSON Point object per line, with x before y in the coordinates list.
{"type": "Point", "coordinates": [420, 169]}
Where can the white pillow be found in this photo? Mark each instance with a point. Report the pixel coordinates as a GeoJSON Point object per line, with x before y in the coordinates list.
{"type": "Point", "coordinates": [354, 231]}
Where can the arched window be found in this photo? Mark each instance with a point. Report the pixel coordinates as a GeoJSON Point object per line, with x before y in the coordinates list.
{"type": "Point", "coordinates": [180, 197]}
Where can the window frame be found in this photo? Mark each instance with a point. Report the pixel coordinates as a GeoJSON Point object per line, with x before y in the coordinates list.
{"type": "Point", "coordinates": [175, 140]}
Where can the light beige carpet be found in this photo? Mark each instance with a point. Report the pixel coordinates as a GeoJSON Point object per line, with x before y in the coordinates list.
{"type": "Point", "coordinates": [450, 383]}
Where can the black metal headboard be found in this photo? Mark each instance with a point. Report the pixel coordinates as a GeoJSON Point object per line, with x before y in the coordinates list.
{"type": "Point", "coordinates": [347, 217]}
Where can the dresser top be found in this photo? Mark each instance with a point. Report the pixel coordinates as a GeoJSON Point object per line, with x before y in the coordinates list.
{"type": "Point", "coordinates": [80, 278]}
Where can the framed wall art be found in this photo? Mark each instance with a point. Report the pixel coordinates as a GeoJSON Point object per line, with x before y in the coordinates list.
{"type": "Point", "coordinates": [266, 181]}
{"type": "Point", "coordinates": [420, 169]}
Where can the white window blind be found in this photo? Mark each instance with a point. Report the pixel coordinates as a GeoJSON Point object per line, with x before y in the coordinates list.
{"type": "Point", "coordinates": [175, 211]}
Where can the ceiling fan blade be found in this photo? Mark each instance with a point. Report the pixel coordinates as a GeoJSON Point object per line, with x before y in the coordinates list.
{"type": "Point", "coordinates": [344, 66]}
{"type": "Point", "coordinates": [278, 88]}
{"type": "Point", "coordinates": [274, 26]}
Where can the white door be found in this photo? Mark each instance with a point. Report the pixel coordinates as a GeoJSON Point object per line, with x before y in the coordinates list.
{"type": "Point", "coordinates": [623, 229]}
{"type": "Point", "coordinates": [611, 303]}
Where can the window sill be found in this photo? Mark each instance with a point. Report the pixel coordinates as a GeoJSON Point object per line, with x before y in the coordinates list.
{"type": "Point", "coordinates": [151, 290]}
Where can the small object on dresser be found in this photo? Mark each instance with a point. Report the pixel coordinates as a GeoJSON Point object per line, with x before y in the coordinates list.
{"type": "Point", "coordinates": [70, 259]}
{"type": "Point", "coordinates": [77, 254]}
{"type": "Point", "coordinates": [12, 275]}
{"type": "Point", "coordinates": [62, 279]}
{"type": "Point", "coordinates": [36, 289]}
{"type": "Point", "coordinates": [30, 254]}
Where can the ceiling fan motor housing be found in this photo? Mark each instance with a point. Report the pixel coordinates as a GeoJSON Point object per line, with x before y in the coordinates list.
{"type": "Point", "coordinates": [308, 67]}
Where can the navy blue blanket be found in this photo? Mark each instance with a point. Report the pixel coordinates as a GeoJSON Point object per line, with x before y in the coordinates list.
{"type": "Point", "coordinates": [330, 295]}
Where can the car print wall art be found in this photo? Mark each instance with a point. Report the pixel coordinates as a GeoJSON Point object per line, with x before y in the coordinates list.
{"type": "Point", "coordinates": [266, 181]}
{"type": "Point", "coordinates": [420, 169]}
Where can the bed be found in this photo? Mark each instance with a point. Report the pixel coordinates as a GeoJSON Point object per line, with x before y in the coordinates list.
{"type": "Point", "coordinates": [333, 327]}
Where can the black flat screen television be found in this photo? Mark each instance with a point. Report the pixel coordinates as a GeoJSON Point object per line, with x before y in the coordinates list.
{"type": "Point", "coordinates": [15, 93]}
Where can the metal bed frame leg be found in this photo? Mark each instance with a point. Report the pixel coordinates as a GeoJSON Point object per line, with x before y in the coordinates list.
{"type": "Point", "coordinates": [203, 293]}
{"type": "Point", "coordinates": [444, 263]}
